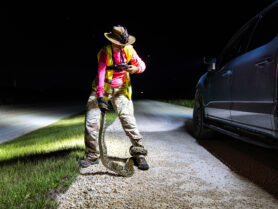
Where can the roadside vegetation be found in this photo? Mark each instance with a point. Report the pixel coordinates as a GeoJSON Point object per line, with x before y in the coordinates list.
{"type": "Point", "coordinates": [182, 102]}
{"type": "Point", "coordinates": [36, 167]}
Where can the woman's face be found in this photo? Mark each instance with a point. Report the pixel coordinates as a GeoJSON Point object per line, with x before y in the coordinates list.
{"type": "Point", "coordinates": [117, 48]}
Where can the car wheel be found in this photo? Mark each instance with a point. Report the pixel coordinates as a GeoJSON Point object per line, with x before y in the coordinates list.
{"type": "Point", "coordinates": [199, 130]}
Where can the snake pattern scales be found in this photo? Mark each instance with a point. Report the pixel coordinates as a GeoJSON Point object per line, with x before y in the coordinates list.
{"type": "Point", "coordinates": [126, 170]}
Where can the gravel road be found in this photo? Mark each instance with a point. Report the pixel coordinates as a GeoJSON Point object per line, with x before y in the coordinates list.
{"type": "Point", "coordinates": [182, 174]}
{"type": "Point", "coordinates": [17, 120]}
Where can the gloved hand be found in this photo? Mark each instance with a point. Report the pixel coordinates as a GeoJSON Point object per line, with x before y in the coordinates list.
{"type": "Point", "coordinates": [102, 104]}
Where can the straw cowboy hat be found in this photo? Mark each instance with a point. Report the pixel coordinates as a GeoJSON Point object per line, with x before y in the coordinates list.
{"type": "Point", "coordinates": [120, 36]}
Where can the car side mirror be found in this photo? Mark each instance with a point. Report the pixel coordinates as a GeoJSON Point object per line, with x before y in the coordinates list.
{"type": "Point", "coordinates": [211, 62]}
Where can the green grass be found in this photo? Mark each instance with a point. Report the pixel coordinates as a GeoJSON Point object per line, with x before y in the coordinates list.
{"type": "Point", "coordinates": [182, 102]}
{"type": "Point", "coordinates": [36, 166]}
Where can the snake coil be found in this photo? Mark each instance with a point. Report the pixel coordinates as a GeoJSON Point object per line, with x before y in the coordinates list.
{"type": "Point", "coordinates": [108, 161]}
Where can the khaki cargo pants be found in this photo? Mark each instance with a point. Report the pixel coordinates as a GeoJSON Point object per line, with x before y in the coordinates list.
{"type": "Point", "coordinates": [123, 107]}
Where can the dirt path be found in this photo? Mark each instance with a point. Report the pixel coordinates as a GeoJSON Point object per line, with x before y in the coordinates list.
{"type": "Point", "coordinates": [183, 174]}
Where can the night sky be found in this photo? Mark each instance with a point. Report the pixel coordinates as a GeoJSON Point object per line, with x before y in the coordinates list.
{"type": "Point", "coordinates": [50, 51]}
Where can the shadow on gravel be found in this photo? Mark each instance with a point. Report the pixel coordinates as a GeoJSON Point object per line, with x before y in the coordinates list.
{"type": "Point", "coordinates": [259, 165]}
{"type": "Point", "coordinates": [99, 173]}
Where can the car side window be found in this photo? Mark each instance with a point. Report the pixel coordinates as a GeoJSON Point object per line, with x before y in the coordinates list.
{"type": "Point", "coordinates": [239, 45]}
{"type": "Point", "coordinates": [266, 30]}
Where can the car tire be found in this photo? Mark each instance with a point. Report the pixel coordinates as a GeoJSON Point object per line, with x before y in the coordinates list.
{"type": "Point", "coordinates": [199, 129]}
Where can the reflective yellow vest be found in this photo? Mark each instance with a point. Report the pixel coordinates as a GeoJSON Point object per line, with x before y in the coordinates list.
{"type": "Point", "coordinates": [109, 73]}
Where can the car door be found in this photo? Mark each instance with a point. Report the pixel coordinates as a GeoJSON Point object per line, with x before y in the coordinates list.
{"type": "Point", "coordinates": [254, 76]}
{"type": "Point", "coordinates": [220, 82]}
{"type": "Point", "coordinates": [219, 94]}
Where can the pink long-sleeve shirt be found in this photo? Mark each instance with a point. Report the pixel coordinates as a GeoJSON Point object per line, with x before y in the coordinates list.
{"type": "Point", "coordinates": [118, 77]}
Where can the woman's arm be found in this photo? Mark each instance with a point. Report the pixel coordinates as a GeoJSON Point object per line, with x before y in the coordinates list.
{"type": "Point", "coordinates": [137, 64]}
{"type": "Point", "coordinates": [101, 73]}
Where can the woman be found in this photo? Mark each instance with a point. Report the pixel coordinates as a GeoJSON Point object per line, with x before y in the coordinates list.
{"type": "Point", "coordinates": [113, 83]}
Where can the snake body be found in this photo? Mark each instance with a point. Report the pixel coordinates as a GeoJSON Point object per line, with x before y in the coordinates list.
{"type": "Point", "coordinates": [108, 161]}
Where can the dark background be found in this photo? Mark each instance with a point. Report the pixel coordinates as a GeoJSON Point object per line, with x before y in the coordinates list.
{"type": "Point", "coordinates": [48, 52]}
